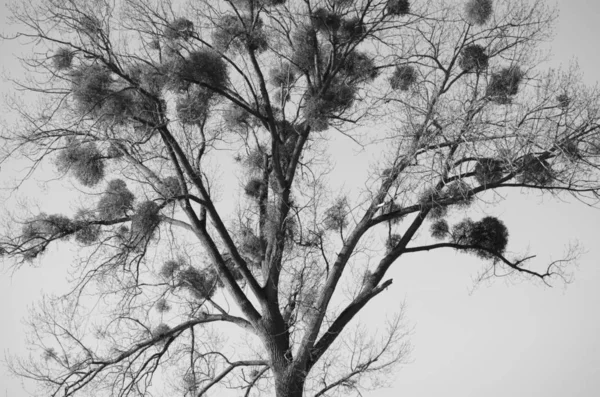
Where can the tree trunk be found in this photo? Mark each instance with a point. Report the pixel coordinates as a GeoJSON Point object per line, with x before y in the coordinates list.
{"type": "Point", "coordinates": [289, 383]}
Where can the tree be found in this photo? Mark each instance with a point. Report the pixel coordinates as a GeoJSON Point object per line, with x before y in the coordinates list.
{"type": "Point", "coordinates": [140, 98]}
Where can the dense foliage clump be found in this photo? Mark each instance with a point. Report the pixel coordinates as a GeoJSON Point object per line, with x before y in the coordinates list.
{"type": "Point", "coordinates": [63, 58]}
{"type": "Point", "coordinates": [83, 160]}
{"type": "Point", "coordinates": [439, 229]}
{"type": "Point", "coordinates": [489, 170]}
{"type": "Point", "coordinates": [179, 28]}
{"type": "Point", "coordinates": [116, 200]}
{"type": "Point", "coordinates": [473, 58]}
{"type": "Point", "coordinates": [398, 7]}
{"type": "Point", "coordinates": [145, 220]}
{"type": "Point", "coordinates": [535, 171]}
{"type": "Point", "coordinates": [403, 78]}
{"type": "Point", "coordinates": [201, 283]}
{"type": "Point", "coordinates": [478, 12]}
{"type": "Point", "coordinates": [504, 85]}
{"type": "Point", "coordinates": [489, 233]}
{"type": "Point", "coordinates": [336, 215]}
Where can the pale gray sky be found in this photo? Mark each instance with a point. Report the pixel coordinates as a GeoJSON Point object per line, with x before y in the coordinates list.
{"type": "Point", "coordinates": [504, 338]}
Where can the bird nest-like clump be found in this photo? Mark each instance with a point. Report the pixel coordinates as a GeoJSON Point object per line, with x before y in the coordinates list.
{"type": "Point", "coordinates": [84, 161]}
{"type": "Point", "coordinates": [473, 58]}
{"type": "Point", "coordinates": [202, 284]}
{"type": "Point", "coordinates": [439, 229]}
{"type": "Point", "coordinates": [489, 233]}
{"type": "Point", "coordinates": [359, 67]}
{"type": "Point", "coordinates": [87, 232]}
{"type": "Point", "coordinates": [489, 170]}
{"type": "Point", "coordinates": [307, 51]}
{"type": "Point", "coordinates": [478, 12]}
{"type": "Point", "coordinates": [237, 118]}
{"type": "Point", "coordinates": [389, 208]}
{"type": "Point", "coordinates": [239, 33]}
{"type": "Point", "coordinates": [179, 28]}
{"type": "Point", "coordinates": [398, 7]}
{"type": "Point", "coordinates": [403, 78]}
{"type": "Point", "coordinates": [116, 200]}
{"type": "Point", "coordinates": [352, 29]}
{"type": "Point", "coordinates": [460, 192]}
{"type": "Point", "coordinates": [200, 67]}
{"type": "Point", "coordinates": [254, 188]}
{"type": "Point", "coordinates": [145, 220]}
{"type": "Point", "coordinates": [535, 171]}
{"type": "Point", "coordinates": [171, 187]}
{"type": "Point", "coordinates": [392, 241]}
{"type": "Point", "coordinates": [563, 101]}
{"type": "Point", "coordinates": [250, 244]}
{"type": "Point", "coordinates": [162, 306]}
{"type": "Point", "coordinates": [336, 215]}
{"type": "Point", "coordinates": [320, 106]}
{"type": "Point", "coordinates": [161, 331]}
{"type": "Point", "coordinates": [325, 20]}
{"type": "Point", "coordinates": [46, 227]}
{"type": "Point", "coordinates": [504, 85]}
{"type": "Point", "coordinates": [63, 58]}
{"type": "Point", "coordinates": [193, 107]}
{"type": "Point", "coordinates": [169, 269]}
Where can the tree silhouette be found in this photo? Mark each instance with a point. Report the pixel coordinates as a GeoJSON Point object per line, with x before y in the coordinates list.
{"type": "Point", "coordinates": [141, 98]}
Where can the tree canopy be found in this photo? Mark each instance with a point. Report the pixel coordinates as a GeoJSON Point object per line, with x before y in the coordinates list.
{"type": "Point", "coordinates": [156, 109]}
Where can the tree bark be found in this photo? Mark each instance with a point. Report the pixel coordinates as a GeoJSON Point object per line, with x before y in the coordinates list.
{"type": "Point", "coordinates": [289, 382]}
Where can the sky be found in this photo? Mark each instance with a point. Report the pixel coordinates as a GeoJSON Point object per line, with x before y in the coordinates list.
{"type": "Point", "coordinates": [499, 339]}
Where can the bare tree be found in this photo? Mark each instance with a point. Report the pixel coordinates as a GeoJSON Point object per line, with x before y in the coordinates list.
{"type": "Point", "coordinates": [142, 102]}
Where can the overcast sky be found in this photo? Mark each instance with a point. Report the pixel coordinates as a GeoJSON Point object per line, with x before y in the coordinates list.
{"type": "Point", "coordinates": [501, 339]}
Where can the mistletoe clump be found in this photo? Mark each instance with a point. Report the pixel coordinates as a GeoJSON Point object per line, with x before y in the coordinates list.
{"type": "Point", "coordinates": [535, 171]}
{"type": "Point", "coordinates": [320, 106]}
{"type": "Point", "coordinates": [179, 28]}
{"type": "Point", "coordinates": [460, 192]}
{"type": "Point", "coordinates": [146, 219]}
{"type": "Point", "coordinates": [200, 67]}
{"type": "Point", "coordinates": [170, 267]}
{"type": "Point", "coordinates": [439, 229]}
{"type": "Point", "coordinates": [201, 283]}
{"type": "Point", "coordinates": [162, 306]}
{"type": "Point", "coordinates": [283, 76]}
{"type": "Point", "coordinates": [392, 241]}
{"type": "Point", "coordinates": [237, 118]}
{"type": "Point", "coordinates": [489, 233]}
{"type": "Point", "coordinates": [403, 78]}
{"type": "Point", "coordinates": [325, 20]}
{"type": "Point", "coordinates": [94, 96]}
{"type": "Point", "coordinates": [63, 58]}
{"type": "Point", "coordinates": [478, 12]}
{"type": "Point", "coordinates": [307, 52]}
{"type": "Point", "coordinates": [239, 33]}
{"type": "Point", "coordinates": [148, 77]}
{"type": "Point", "coordinates": [504, 85]}
{"type": "Point", "coordinates": [116, 200]}
{"type": "Point", "coordinates": [250, 243]}
{"type": "Point", "coordinates": [87, 232]}
{"type": "Point", "coordinates": [254, 188]}
{"type": "Point", "coordinates": [352, 29]}
{"type": "Point", "coordinates": [489, 170]}
{"type": "Point", "coordinates": [335, 216]}
{"type": "Point", "coordinates": [398, 7]}
{"type": "Point", "coordinates": [47, 227]}
{"type": "Point", "coordinates": [563, 101]}
{"type": "Point", "coordinates": [473, 58]}
{"type": "Point", "coordinates": [161, 331]}
{"type": "Point", "coordinates": [192, 108]}
{"type": "Point", "coordinates": [84, 161]}
{"type": "Point", "coordinates": [359, 66]}
{"type": "Point", "coordinates": [171, 187]}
